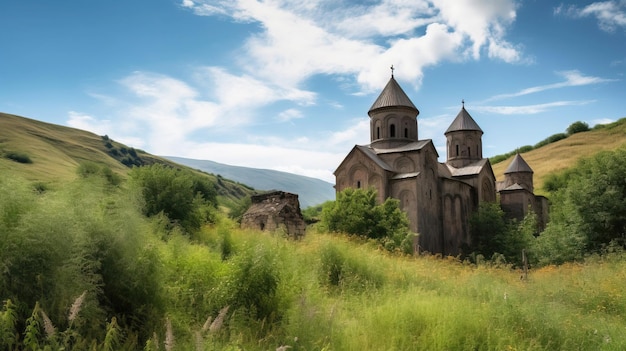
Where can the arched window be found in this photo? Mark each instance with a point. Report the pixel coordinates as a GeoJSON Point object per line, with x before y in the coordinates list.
{"type": "Point", "coordinates": [377, 132]}
{"type": "Point", "coordinates": [392, 131]}
{"type": "Point", "coordinates": [406, 132]}
{"type": "Point", "coordinates": [358, 184]}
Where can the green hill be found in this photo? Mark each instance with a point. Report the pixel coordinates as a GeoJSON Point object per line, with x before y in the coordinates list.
{"type": "Point", "coordinates": [564, 153]}
{"type": "Point", "coordinates": [49, 153]}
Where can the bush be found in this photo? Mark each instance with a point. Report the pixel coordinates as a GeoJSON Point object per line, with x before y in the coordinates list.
{"type": "Point", "coordinates": [253, 283]}
{"type": "Point", "coordinates": [577, 127]}
{"type": "Point", "coordinates": [18, 157]}
{"type": "Point", "coordinates": [185, 198]}
{"type": "Point", "coordinates": [551, 139]}
{"type": "Point", "coordinates": [355, 212]}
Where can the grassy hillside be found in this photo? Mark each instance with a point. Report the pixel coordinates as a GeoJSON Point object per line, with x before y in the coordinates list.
{"type": "Point", "coordinates": [49, 153]}
{"type": "Point", "coordinates": [565, 153]}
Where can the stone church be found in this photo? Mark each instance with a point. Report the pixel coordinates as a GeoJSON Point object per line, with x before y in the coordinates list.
{"type": "Point", "coordinates": [439, 198]}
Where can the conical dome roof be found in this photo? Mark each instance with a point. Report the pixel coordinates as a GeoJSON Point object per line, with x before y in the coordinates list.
{"type": "Point", "coordinates": [393, 96]}
{"type": "Point", "coordinates": [463, 121]}
{"type": "Point", "coordinates": [518, 165]}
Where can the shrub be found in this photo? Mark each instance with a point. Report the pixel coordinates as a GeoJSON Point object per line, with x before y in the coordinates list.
{"type": "Point", "coordinates": [355, 212]}
{"type": "Point", "coordinates": [340, 269]}
{"type": "Point", "coordinates": [577, 127]}
{"type": "Point", "coordinates": [253, 283]}
{"type": "Point", "coordinates": [551, 139]}
{"type": "Point", "coordinates": [18, 157]}
{"type": "Point", "coordinates": [182, 196]}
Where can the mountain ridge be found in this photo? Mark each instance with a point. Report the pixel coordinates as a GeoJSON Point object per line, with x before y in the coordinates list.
{"type": "Point", "coordinates": [311, 191]}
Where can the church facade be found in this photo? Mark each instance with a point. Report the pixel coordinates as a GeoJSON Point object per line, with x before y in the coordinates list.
{"type": "Point", "coordinates": [439, 198]}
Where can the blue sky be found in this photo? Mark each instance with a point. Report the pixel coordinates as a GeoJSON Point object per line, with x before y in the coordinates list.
{"type": "Point", "coordinates": [286, 85]}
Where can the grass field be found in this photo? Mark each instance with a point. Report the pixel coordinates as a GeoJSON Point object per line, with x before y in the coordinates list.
{"type": "Point", "coordinates": [565, 153]}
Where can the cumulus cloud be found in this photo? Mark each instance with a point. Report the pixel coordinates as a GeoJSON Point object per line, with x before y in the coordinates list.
{"type": "Point", "coordinates": [293, 41]}
{"type": "Point", "coordinates": [609, 14]}
{"type": "Point", "coordinates": [300, 39]}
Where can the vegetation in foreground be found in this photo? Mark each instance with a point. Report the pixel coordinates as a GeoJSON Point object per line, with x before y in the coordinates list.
{"type": "Point", "coordinates": [87, 267]}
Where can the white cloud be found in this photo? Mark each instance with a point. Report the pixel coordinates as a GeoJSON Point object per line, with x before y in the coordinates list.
{"type": "Point", "coordinates": [573, 78]}
{"type": "Point", "coordinates": [610, 14]}
{"type": "Point", "coordinates": [289, 114]}
{"type": "Point", "coordinates": [528, 109]}
{"type": "Point", "coordinates": [299, 39]}
{"type": "Point", "coordinates": [86, 122]}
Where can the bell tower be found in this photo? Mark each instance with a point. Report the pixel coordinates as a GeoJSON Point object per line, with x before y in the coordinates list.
{"type": "Point", "coordinates": [464, 140]}
{"type": "Point", "coordinates": [393, 117]}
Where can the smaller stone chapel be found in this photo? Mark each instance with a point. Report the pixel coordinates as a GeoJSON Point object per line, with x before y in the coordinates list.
{"type": "Point", "coordinates": [439, 198]}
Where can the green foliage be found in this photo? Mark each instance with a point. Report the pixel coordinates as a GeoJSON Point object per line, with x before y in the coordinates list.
{"type": "Point", "coordinates": [355, 212]}
{"type": "Point", "coordinates": [551, 139]}
{"type": "Point", "coordinates": [313, 214]}
{"type": "Point", "coordinates": [253, 283]}
{"type": "Point", "coordinates": [577, 127]}
{"type": "Point", "coordinates": [184, 197]}
{"type": "Point", "coordinates": [8, 324]}
{"type": "Point", "coordinates": [588, 209]}
{"type": "Point", "coordinates": [347, 272]}
{"type": "Point", "coordinates": [18, 157]}
{"type": "Point", "coordinates": [90, 169]}
{"type": "Point", "coordinates": [32, 332]}
{"type": "Point", "coordinates": [493, 235]}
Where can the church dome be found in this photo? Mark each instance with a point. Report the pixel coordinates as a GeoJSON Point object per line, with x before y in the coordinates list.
{"type": "Point", "coordinates": [392, 96]}
{"type": "Point", "coordinates": [463, 121]}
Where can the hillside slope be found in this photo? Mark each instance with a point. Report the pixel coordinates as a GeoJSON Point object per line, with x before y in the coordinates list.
{"type": "Point", "coordinates": [565, 153]}
{"type": "Point", "coordinates": [55, 152]}
{"type": "Point", "coordinates": [311, 191]}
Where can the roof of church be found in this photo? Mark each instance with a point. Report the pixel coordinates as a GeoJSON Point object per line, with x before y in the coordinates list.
{"type": "Point", "coordinates": [471, 169]}
{"type": "Point", "coordinates": [412, 146]}
{"type": "Point", "coordinates": [463, 121]}
{"type": "Point", "coordinates": [369, 152]}
{"type": "Point", "coordinates": [405, 175]}
{"type": "Point", "coordinates": [392, 96]}
{"type": "Point", "coordinates": [518, 165]}
{"type": "Point", "coordinates": [514, 187]}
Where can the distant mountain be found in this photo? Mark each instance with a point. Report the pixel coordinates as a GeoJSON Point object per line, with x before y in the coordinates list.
{"type": "Point", "coordinates": [311, 191]}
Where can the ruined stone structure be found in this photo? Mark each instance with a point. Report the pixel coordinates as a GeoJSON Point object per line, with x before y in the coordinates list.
{"type": "Point", "coordinates": [273, 211]}
{"type": "Point", "coordinates": [439, 198]}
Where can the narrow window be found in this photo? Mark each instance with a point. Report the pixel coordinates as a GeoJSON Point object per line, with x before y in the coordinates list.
{"type": "Point", "coordinates": [392, 131]}
{"type": "Point", "coordinates": [406, 132]}
{"type": "Point", "coordinates": [469, 152]}
{"type": "Point", "coordinates": [358, 184]}
{"type": "Point", "coordinates": [457, 150]}
{"type": "Point", "coordinates": [377, 132]}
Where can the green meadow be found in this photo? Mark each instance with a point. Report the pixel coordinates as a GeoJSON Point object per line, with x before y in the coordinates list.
{"type": "Point", "coordinates": [87, 262]}
{"type": "Point", "coordinates": [83, 269]}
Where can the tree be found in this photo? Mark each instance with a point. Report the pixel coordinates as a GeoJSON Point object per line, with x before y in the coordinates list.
{"type": "Point", "coordinates": [356, 212]}
{"type": "Point", "coordinates": [493, 234]}
{"type": "Point", "coordinates": [181, 195]}
{"type": "Point", "coordinates": [577, 127]}
{"type": "Point", "coordinates": [588, 211]}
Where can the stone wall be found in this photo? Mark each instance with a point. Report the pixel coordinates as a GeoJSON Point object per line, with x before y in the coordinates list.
{"type": "Point", "coordinates": [274, 211]}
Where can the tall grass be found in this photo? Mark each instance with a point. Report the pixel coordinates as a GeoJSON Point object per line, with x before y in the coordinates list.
{"type": "Point", "coordinates": [147, 287]}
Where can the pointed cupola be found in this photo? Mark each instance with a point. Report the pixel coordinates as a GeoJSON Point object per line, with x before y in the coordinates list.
{"type": "Point", "coordinates": [393, 118]}
{"type": "Point", "coordinates": [519, 172]}
{"type": "Point", "coordinates": [464, 140]}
